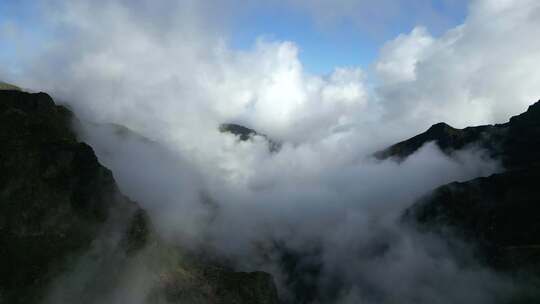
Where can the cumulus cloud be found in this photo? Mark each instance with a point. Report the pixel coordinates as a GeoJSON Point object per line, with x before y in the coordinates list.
{"type": "Point", "coordinates": [399, 57]}
{"type": "Point", "coordinates": [167, 72]}
{"type": "Point", "coordinates": [464, 76]}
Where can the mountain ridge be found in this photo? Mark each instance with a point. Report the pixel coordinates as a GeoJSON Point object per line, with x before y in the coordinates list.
{"type": "Point", "coordinates": [499, 215]}
{"type": "Point", "coordinates": [514, 142]}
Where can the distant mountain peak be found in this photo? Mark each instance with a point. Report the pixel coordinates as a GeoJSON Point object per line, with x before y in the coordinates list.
{"type": "Point", "coordinates": [446, 137]}
{"type": "Point", "coordinates": [440, 127]}
{"type": "Point", "coordinates": [245, 134]}
{"type": "Point", "coordinates": [513, 142]}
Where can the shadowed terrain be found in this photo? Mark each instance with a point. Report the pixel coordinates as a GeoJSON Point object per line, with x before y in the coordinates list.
{"type": "Point", "coordinates": [498, 214]}
{"type": "Point", "coordinates": [62, 215]}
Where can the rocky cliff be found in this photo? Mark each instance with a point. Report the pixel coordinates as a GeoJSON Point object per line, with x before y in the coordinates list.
{"type": "Point", "coordinates": [59, 206]}
{"type": "Point", "coordinates": [498, 215]}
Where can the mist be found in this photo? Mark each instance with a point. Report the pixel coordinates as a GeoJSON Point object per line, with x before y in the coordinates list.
{"type": "Point", "coordinates": [342, 220]}
{"type": "Point", "coordinates": [152, 83]}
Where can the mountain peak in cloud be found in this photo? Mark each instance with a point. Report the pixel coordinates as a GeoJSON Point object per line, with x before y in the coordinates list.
{"type": "Point", "coordinates": [513, 142]}
{"type": "Point", "coordinates": [245, 134]}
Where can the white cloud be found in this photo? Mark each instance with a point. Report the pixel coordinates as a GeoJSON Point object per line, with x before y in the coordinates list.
{"type": "Point", "coordinates": [480, 72]}
{"type": "Point", "coordinates": [399, 57]}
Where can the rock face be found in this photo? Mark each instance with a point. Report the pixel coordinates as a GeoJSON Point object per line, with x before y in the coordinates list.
{"type": "Point", "coordinates": [516, 143]}
{"type": "Point", "coordinates": [499, 214]}
{"type": "Point", "coordinates": [245, 134]}
{"type": "Point", "coordinates": [54, 195]}
{"type": "Point", "coordinates": [56, 200]}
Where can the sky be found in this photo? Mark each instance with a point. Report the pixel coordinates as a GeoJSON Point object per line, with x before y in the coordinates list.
{"type": "Point", "coordinates": [341, 40]}
{"type": "Point", "coordinates": [332, 80]}
{"type": "Point", "coordinates": [324, 42]}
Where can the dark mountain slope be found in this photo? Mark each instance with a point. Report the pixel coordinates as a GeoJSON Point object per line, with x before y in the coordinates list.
{"type": "Point", "coordinates": [499, 214]}
{"type": "Point", "coordinates": [245, 134]}
{"type": "Point", "coordinates": [516, 142]}
{"type": "Point", "coordinates": [54, 195]}
{"type": "Point", "coordinates": [57, 202]}
{"type": "Point", "coordinates": [448, 139]}
{"type": "Point", "coordinates": [521, 145]}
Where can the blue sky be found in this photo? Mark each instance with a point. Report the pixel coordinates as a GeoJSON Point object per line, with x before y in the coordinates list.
{"type": "Point", "coordinates": [21, 19]}
{"type": "Point", "coordinates": [322, 48]}
{"type": "Point", "coordinates": [343, 43]}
